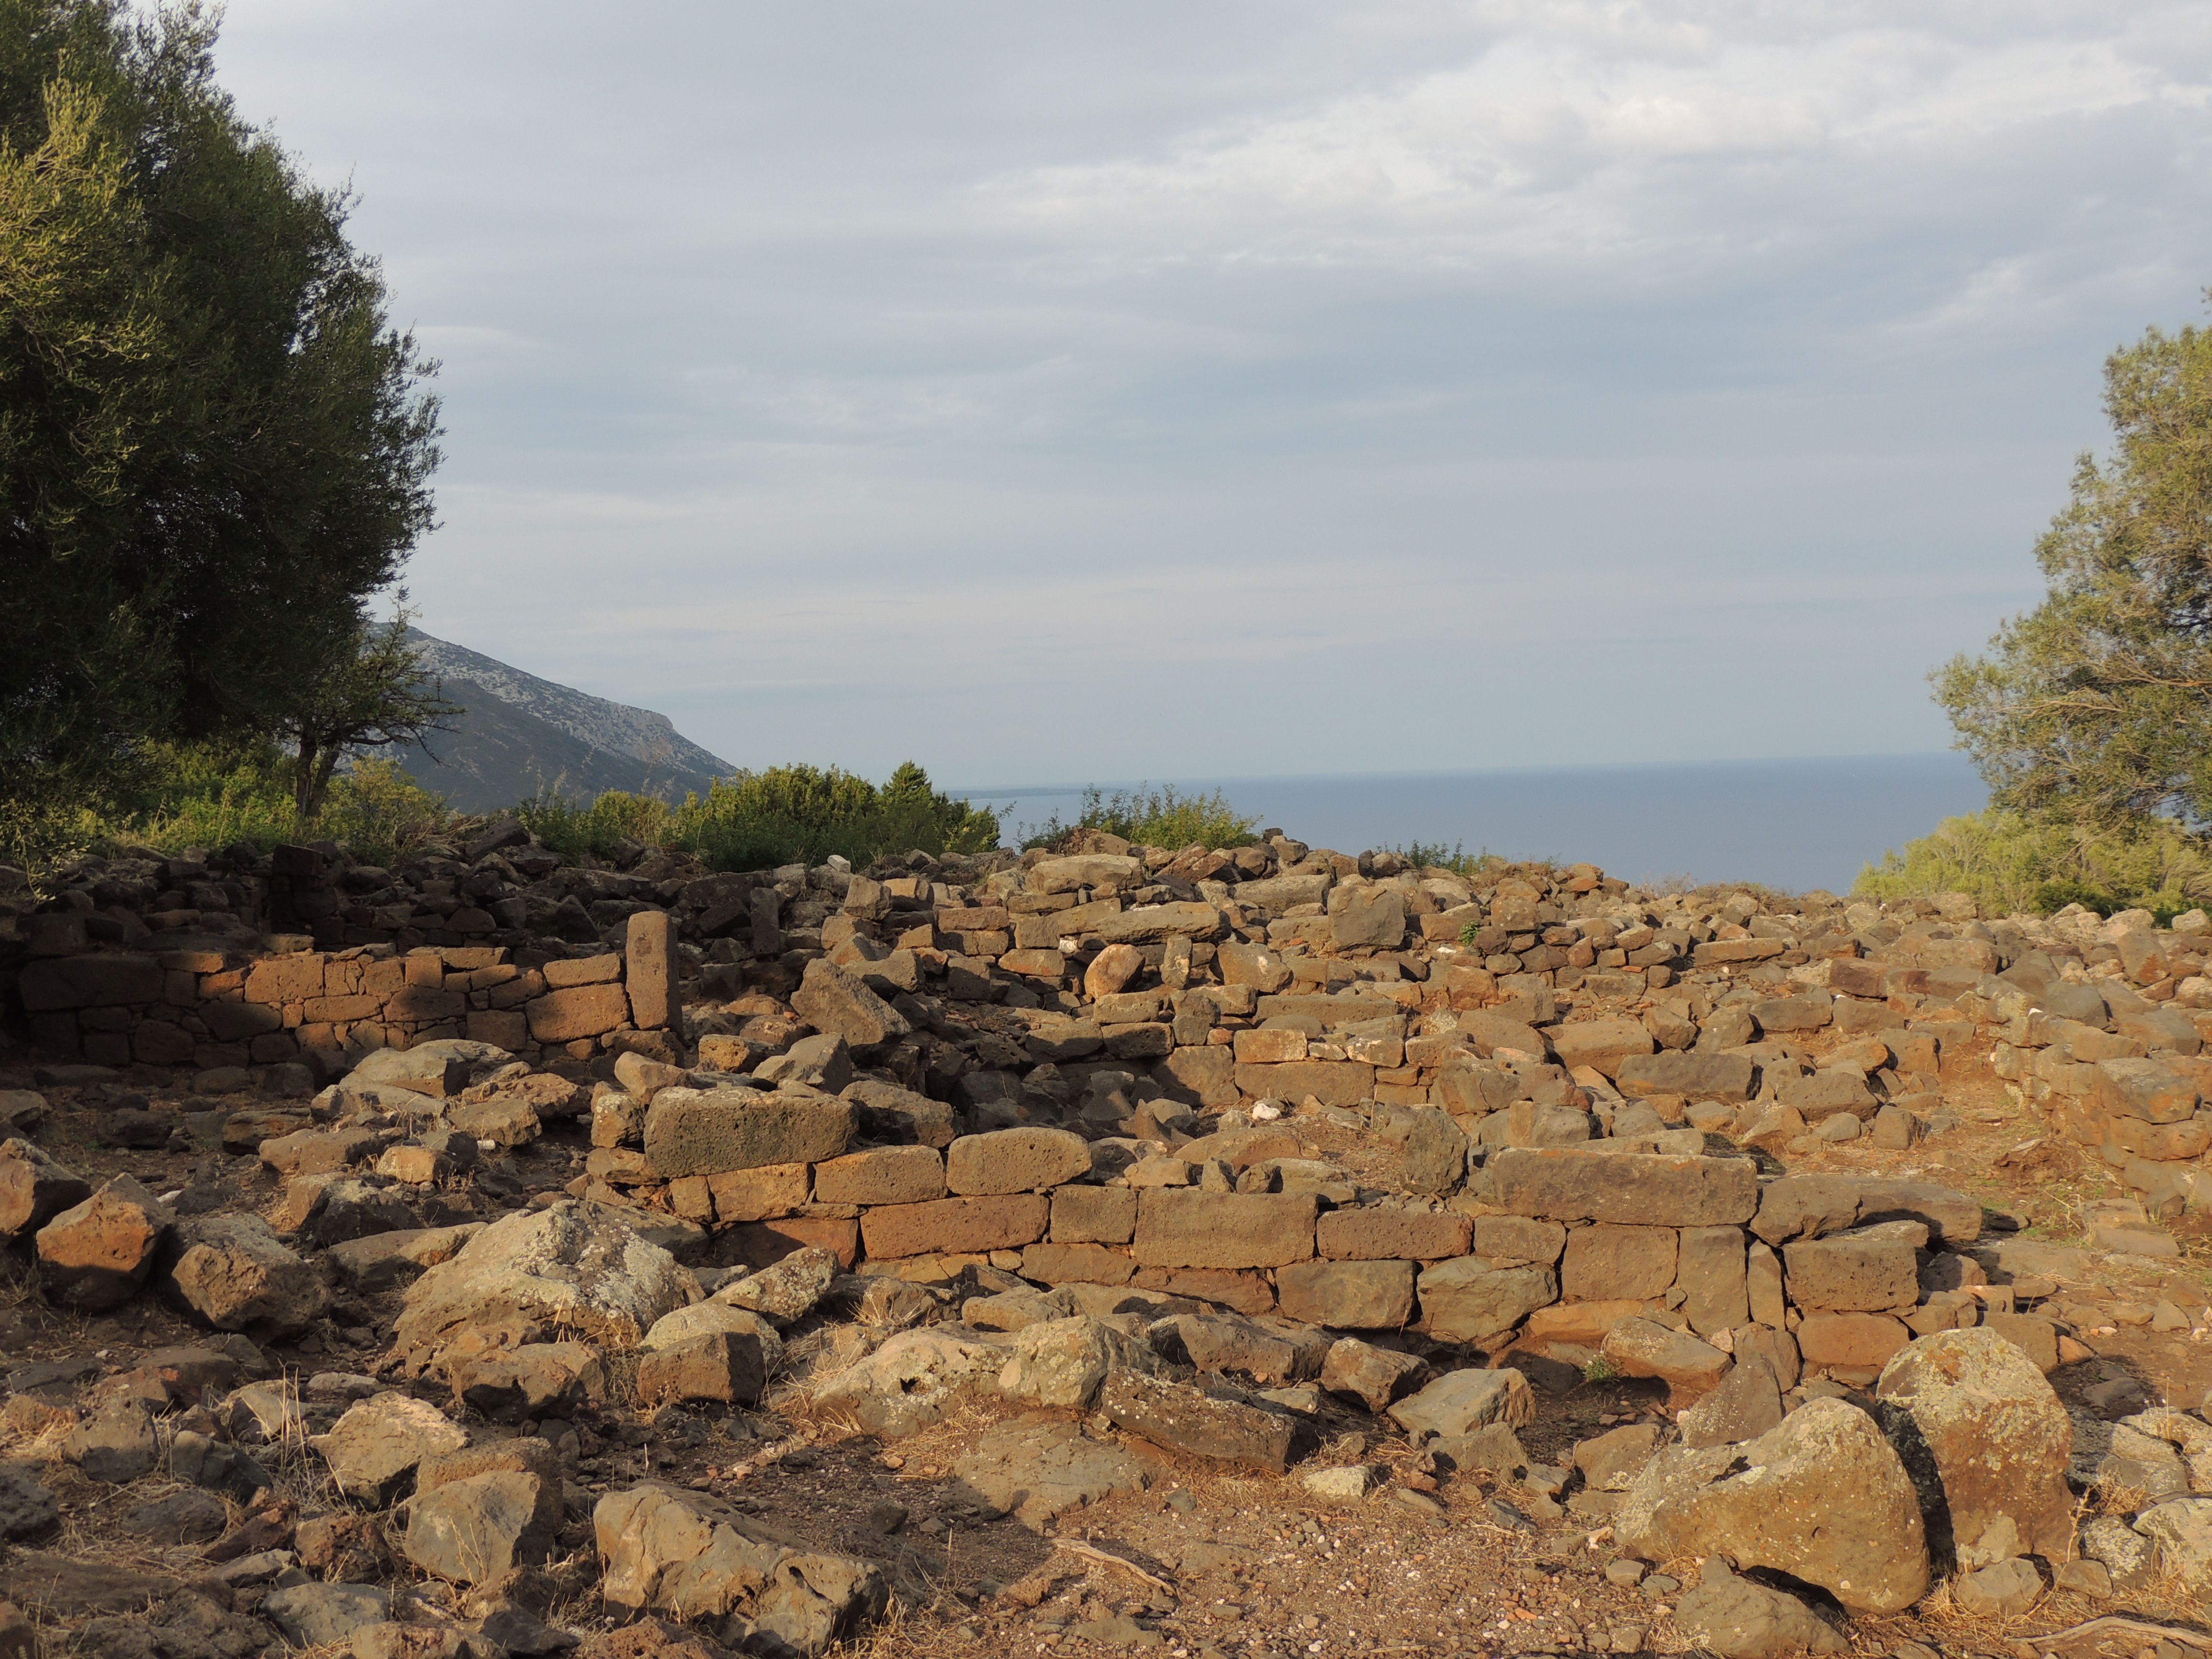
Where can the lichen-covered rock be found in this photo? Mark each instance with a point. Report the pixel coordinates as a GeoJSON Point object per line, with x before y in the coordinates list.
{"type": "Point", "coordinates": [1824, 1498]}
{"type": "Point", "coordinates": [1984, 1437]}
{"type": "Point", "coordinates": [910, 1382]}
{"type": "Point", "coordinates": [572, 1266]}
{"type": "Point", "coordinates": [688, 1555]}
{"type": "Point", "coordinates": [1063, 1362]}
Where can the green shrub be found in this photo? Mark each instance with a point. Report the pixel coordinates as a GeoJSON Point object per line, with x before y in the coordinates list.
{"type": "Point", "coordinates": [1432, 856]}
{"type": "Point", "coordinates": [216, 796]}
{"type": "Point", "coordinates": [784, 815]}
{"type": "Point", "coordinates": [2011, 862]}
{"type": "Point", "coordinates": [1153, 817]}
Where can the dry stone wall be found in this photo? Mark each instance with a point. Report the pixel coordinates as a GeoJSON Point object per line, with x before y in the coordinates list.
{"type": "Point", "coordinates": [221, 1010]}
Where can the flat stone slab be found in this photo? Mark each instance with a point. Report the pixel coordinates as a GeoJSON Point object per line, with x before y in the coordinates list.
{"type": "Point", "coordinates": [1037, 1468]}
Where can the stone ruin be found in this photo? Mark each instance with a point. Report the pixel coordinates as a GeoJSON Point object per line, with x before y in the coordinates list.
{"type": "Point", "coordinates": [1188, 1139]}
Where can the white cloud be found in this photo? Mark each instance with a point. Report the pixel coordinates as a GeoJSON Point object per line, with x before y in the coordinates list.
{"type": "Point", "coordinates": [1258, 387]}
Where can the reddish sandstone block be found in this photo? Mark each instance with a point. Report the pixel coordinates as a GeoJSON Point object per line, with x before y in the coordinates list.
{"type": "Point", "coordinates": [955, 1226]}
{"type": "Point", "coordinates": [1383, 1235]}
{"type": "Point", "coordinates": [582, 1010]}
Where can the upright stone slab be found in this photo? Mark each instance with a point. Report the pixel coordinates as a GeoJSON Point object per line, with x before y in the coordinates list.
{"type": "Point", "coordinates": [649, 972]}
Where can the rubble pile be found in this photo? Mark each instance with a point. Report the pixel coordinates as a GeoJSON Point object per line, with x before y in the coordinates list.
{"type": "Point", "coordinates": [1111, 1160]}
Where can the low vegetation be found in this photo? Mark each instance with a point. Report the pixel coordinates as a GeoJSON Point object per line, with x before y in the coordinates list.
{"type": "Point", "coordinates": [1165, 816]}
{"type": "Point", "coordinates": [784, 815]}
{"type": "Point", "coordinates": [2012, 862]}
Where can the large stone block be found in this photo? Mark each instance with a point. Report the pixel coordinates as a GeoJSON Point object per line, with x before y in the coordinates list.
{"type": "Point", "coordinates": [709, 1131]}
{"type": "Point", "coordinates": [834, 1001]}
{"type": "Point", "coordinates": [1694, 1076]}
{"type": "Point", "coordinates": [2141, 1089]}
{"type": "Point", "coordinates": [1469, 1300]}
{"type": "Point", "coordinates": [881, 1174]}
{"type": "Point", "coordinates": [1021, 1160]}
{"type": "Point", "coordinates": [1332, 1082]}
{"type": "Point", "coordinates": [1602, 1044]}
{"type": "Point", "coordinates": [649, 971]}
{"type": "Point", "coordinates": [1377, 1234]}
{"type": "Point", "coordinates": [958, 1226]}
{"type": "Point", "coordinates": [1349, 1295]}
{"type": "Point", "coordinates": [56, 982]}
{"type": "Point", "coordinates": [1851, 1274]}
{"type": "Point", "coordinates": [581, 1011]}
{"type": "Point", "coordinates": [1608, 1263]}
{"type": "Point", "coordinates": [1633, 1188]}
{"type": "Point", "coordinates": [1093, 1215]}
{"type": "Point", "coordinates": [1184, 1227]}
{"type": "Point", "coordinates": [1711, 1274]}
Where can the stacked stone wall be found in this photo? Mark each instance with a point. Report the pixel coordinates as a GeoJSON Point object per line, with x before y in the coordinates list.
{"type": "Point", "coordinates": [213, 1009]}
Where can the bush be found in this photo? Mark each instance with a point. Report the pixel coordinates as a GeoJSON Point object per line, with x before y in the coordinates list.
{"type": "Point", "coordinates": [785, 814]}
{"type": "Point", "coordinates": [1153, 817]}
{"type": "Point", "coordinates": [218, 795]}
{"type": "Point", "coordinates": [2011, 862]}
{"type": "Point", "coordinates": [1432, 856]}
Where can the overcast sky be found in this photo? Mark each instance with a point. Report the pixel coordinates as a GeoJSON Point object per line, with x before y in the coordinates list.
{"type": "Point", "coordinates": [1054, 392]}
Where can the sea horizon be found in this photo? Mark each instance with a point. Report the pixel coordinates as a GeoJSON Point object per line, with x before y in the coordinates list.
{"type": "Point", "coordinates": [1794, 823]}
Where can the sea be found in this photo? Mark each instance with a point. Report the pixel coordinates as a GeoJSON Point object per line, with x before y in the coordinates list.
{"type": "Point", "coordinates": [1792, 824]}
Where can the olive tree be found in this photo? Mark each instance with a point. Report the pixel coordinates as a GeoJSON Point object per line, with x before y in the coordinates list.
{"type": "Point", "coordinates": [215, 447]}
{"type": "Point", "coordinates": [2098, 704]}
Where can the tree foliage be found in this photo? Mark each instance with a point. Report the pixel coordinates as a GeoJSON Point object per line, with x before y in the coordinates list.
{"type": "Point", "coordinates": [2098, 704]}
{"type": "Point", "coordinates": [2011, 863]}
{"type": "Point", "coordinates": [372, 694]}
{"type": "Point", "coordinates": [213, 446]}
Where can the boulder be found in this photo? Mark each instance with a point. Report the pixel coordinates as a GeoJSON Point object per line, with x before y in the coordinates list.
{"type": "Point", "coordinates": [537, 1380]}
{"type": "Point", "coordinates": [686, 1554]}
{"type": "Point", "coordinates": [1737, 1619]}
{"type": "Point", "coordinates": [1747, 1404]}
{"type": "Point", "coordinates": [1824, 1498]}
{"type": "Point", "coordinates": [1037, 1468]}
{"type": "Point", "coordinates": [572, 1266]}
{"type": "Point", "coordinates": [832, 1000]}
{"type": "Point", "coordinates": [34, 1189]}
{"type": "Point", "coordinates": [115, 1444]}
{"type": "Point", "coordinates": [1064, 1362]}
{"type": "Point", "coordinates": [723, 1366]}
{"type": "Point", "coordinates": [1375, 1375]}
{"type": "Point", "coordinates": [2004, 1589]}
{"type": "Point", "coordinates": [1181, 1418]}
{"type": "Point", "coordinates": [325, 1615]}
{"type": "Point", "coordinates": [95, 1255]}
{"type": "Point", "coordinates": [2182, 1529]}
{"type": "Point", "coordinates": [785, 1292]}
{"type": "Point", "coordinates": [1459, 1402]}
{"type": "Point", "coordinates": [910, 1382]}
{"type": "Point", "coordinates": [237, 1275]}
{"type": "Point", "coordinates": [479, 1528]}
{"type": "Point", "coordinates": [27, 1507]}
{"type": "Point", "coordinates": [374, 1449]}
{"type": "Point", "coordinates": [1985, 1439]}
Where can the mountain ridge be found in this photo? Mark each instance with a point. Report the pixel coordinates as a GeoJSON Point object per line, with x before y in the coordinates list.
{"type": "Point", "coordinates": [520, 734]}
